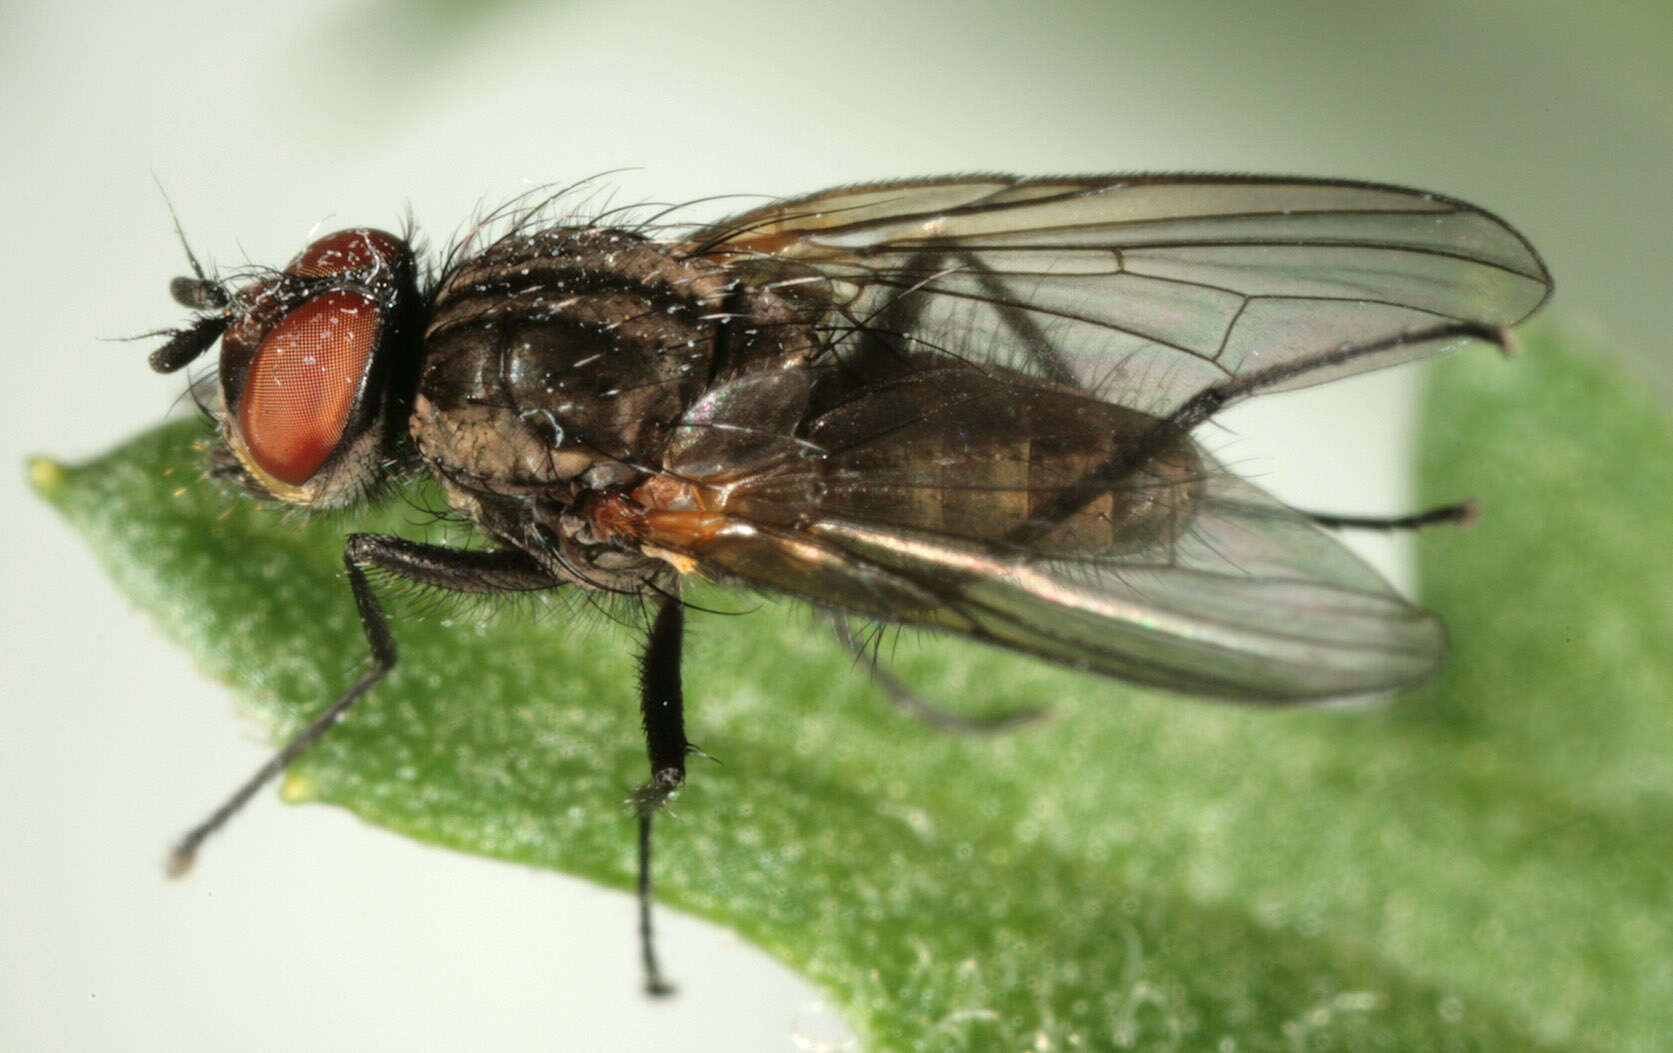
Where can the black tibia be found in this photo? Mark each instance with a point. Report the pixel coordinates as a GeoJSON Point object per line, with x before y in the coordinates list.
{"type": "Point", "coordinates": [426, 564]}
{"type": "Point", "coordinates": [919, 706]}
{"type": "Point", "coordinates": [663, 705]}
{"type": "Point", "coordinates": [1209, 401]}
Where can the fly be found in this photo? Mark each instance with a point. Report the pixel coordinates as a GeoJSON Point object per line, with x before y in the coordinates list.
{"type": "Point", "coordinates": [962, 404]}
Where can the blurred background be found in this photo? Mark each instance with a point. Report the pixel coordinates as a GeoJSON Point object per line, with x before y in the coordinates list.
{"type": "Point", "coordinates": [265, 123]}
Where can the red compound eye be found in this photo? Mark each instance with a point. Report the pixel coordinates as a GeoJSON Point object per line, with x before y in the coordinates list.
{"type": "Point", "coordinates": [304, 381]}
{"type": "Point", "coordinates": [348, 251]}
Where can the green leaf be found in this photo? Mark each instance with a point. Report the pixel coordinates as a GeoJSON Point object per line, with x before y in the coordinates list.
{"type": "Point", "coordinates": [1483, 865]}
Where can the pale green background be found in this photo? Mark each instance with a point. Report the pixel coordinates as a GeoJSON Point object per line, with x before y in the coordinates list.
{"type": "Point", "coordinates": [306, 931]}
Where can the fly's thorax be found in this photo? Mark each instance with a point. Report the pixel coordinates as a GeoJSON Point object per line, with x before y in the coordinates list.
{"type": "Point", "coordinates": [577, 349]}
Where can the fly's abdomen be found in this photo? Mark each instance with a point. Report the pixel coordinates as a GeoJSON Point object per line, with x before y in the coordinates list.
{"type": "Point", "coordinates": [975, 454]}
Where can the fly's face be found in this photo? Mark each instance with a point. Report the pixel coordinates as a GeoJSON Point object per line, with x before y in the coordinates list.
{"type": "Point", "coordinates": [315, 363]}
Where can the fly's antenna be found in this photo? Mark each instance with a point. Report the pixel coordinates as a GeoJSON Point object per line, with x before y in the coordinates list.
{"type": "Point", "coordinates": [199, 293]}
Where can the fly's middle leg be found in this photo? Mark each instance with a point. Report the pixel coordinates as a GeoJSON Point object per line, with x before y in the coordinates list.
{"type": "Point", "coordinates": [662, 703]}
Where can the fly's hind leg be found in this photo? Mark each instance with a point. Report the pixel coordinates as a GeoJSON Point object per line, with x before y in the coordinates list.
{"type": "Point", "coordinates": [1459, 513]}
{"type": "Point", "coordinates": [1132, 457]}
{"type": "Point", "coordinates": [462, 571]}
{"type": "Point", "coordinates": [922, 708]}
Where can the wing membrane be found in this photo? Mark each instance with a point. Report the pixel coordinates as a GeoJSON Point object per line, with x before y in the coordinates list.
{"type": "Point", "coordinates": [899, 504]}
{"type": "Point", "coordinates": [1254, 603]}
{"type": "Point", "coordinates": [1154, 284]}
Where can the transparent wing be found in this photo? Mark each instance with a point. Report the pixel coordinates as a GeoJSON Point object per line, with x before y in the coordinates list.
{"type": "Point", "coordinates": [1253, 604]}
{"type": "Point", "coordinates": [1155, 284]}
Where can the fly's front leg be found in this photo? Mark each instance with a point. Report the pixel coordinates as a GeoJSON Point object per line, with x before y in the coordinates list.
{"type": "Point", "coordinates": [662, 703]}
{"type": "Point", "coordinates": [480, 572]}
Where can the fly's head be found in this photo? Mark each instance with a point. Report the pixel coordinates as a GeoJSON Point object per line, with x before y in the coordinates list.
{"type": "Point", "coordinates": [316, 364]}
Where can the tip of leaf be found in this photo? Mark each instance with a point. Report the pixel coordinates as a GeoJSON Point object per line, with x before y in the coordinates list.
{"type": "Point", "coordinates": [47, 476]}
{"type": "Point", "coordinates": [295, 788]}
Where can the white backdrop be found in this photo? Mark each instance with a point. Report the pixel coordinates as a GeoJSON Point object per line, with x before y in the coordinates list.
{"type": "Point", "coordinates": [305, 930]}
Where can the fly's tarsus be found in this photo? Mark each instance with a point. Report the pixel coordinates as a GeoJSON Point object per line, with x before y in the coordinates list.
{"type": "Point", "coordinates": [1459, 513]}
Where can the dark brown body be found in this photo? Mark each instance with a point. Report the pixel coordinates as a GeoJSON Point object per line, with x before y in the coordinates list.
{"type": "Point", "coordinates": [618, 409]}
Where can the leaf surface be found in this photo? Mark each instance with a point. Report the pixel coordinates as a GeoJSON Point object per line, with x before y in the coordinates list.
{"type": "Point", "coordinates": [1483, 864]}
